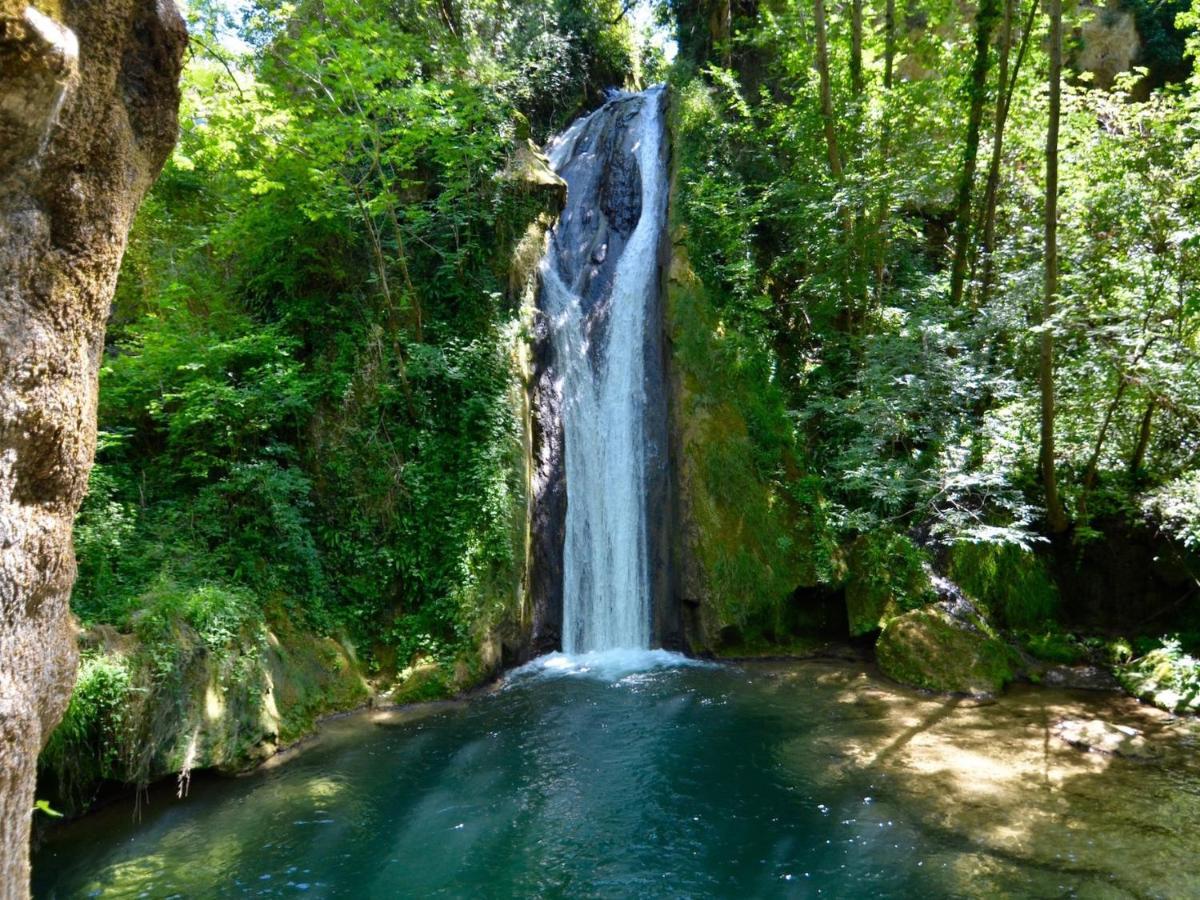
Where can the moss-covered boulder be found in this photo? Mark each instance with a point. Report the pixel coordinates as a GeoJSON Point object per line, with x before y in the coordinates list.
{"type": "Point", "coordinates": [199, 680]}
{"type": "Point", "coordinates": [1012, 581]}
{"type": "Point", "coordinates": [947, 647]}
{"type": "Point", "coordinates": [886, 577]}
{"type": "Point", "coordinates": [1167, 677]}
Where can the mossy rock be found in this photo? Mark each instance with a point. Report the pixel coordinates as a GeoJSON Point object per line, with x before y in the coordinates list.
{"type": "Point", "coordinates": [945, 648]}
{"type": "Point", "coordinates": [1166, 678]}
{"type": "Point", "coordinates": [887, 577]}
{"type": "Point", "coordinates": [1055, 647]}
{"type": "Point", "coordinates": [1011, 581]}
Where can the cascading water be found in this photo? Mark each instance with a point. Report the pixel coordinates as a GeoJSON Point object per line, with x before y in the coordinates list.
{"type": "Point", "coordinates": [599, 294]}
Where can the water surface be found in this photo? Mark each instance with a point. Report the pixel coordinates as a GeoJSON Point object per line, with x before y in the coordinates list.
{"type": "Point", "coordinates": [593, 779]}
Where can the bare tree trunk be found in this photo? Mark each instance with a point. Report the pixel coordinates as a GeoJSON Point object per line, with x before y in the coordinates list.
{"type": "Point", "coordinates": [856, 45]}
{"type": "Point", "coordinates": [1143, 441]}
{"type": "Point", "coordinates": [1007, 86]}
{"type": "Point", "coordinates": [984, 24]}
{"type": "Point", "coordinates": [87, 118]}
{"type": "Point", "coordinates": [831, 143]}
{"type": "Point", "coordinates": [827, 116]}
{"type": "Point", "coordinates": [1093, 467]}
{"type": "Point", "coordinates": [885, 147]}
{"type": "Point", "coordinates": [1055, 517]}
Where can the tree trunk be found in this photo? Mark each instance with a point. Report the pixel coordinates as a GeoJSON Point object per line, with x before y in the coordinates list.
{"type": "Point", "coordinates": [1007, 86]}
{"type": "Point", "coordinates": [885, 147]}
{"type": "Point", "coordinates": [87, 117]}
{"type": "Point", "coordinates": [827, 116]}
{"type": "Point", "coordinates": [1143, 441]}
{"type": "Point", "coordinates": [985, 22]}
{"type": "Point", "coordinates": [856, 44]}
{"type": "Point", "coordinates": [1092, 472]}
{"type": "Point", "coordinates": [831, 145]}
{"type": "Point", "coordinates": [1055, 517]}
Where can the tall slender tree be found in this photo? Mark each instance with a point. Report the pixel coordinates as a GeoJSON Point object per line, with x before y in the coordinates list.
{"type": "Point", "coordinates": [1056, 518]}
{"type": "Point", "coordinates": [828, 120]}
{"type": "Point", "coordinates": [1007, 85]}
{"type": "Point", "coordinates": [985, 23]}
{"type": "Point", "coordinates": [885, 147]}
{"type": "Point", "coordinates": [856, 47]}
{"type": "Point", "coordinates": [831, 145]}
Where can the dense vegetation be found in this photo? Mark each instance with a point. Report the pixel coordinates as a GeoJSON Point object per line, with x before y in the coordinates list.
{"type": "Point", "coordinates": [310, 402]}
{"type": "Point", "coordinates": [865, 197]}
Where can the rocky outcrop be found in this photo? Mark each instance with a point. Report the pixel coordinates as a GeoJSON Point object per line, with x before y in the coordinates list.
{"type": "Point", "coordinates": [169, 699]}
{"type": "Point", "coordinates": [541, 627]}
{"type": "Point", "coordinates": [88, 101]}
{"type": "Point", "coordinates": [1109, 43]}
{"type": "Point", "coordinates": [946, 647]}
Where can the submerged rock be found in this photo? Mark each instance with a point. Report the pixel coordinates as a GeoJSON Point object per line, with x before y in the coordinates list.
{"type": "Point", "coordinates": [1104, 737]}
{"type": "Point", "coordinates": [1079, 678]}
{"type": "Point", "coordinates": [946, 647]}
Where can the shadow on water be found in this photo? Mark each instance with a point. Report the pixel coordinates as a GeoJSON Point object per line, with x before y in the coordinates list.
{"type": "Point", "coordinates": [756, 780]}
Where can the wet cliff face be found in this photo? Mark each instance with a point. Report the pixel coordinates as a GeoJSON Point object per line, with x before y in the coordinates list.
{"type": "Point", "coordinates": [88, 102]}
{"type": "Point", "coordinates": [598, 157]}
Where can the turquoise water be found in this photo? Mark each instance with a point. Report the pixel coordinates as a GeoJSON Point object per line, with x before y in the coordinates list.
{"type": "Point", "coordinates": [692, 781]}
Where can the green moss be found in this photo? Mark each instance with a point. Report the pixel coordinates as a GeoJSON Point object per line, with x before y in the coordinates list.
{"type": "Point", "coordinates": [754, 525]}
{"type": "Point", "coordinates": [928, 648]}
{"type": "Point", "coordinates": [887, 576]}
{"type": "Point", "coordinates": [1166, 676]}
{"type": "Point", "coordinates": [199, 682]}
{"type": "Point", "coordinates": [1055, 647]}
{"type": "Point", "coordinates": [311, 677]}
{"type": "Point", "coordinates": [1010, 581]}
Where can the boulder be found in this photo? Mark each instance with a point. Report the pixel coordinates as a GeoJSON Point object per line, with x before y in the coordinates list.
{"type": "Point", "coordinates": [946, 647]}
{"type": "Point", "coordinates": [1096, 735]}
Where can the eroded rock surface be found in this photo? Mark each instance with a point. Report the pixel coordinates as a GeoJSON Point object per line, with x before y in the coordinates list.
{"type": "Point", "coordinates": [88, 105]}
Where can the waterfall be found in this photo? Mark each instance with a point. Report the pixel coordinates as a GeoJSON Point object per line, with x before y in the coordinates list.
{"type": "Point", "coordinates": [599, 294]}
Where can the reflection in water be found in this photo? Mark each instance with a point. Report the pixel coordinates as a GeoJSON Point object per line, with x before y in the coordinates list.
{"type": "Point", "coordinates": [585, 778]}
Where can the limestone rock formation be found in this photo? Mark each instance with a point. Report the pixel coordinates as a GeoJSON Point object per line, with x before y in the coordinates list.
{"type": "Point", "coordinates": [88, 105]}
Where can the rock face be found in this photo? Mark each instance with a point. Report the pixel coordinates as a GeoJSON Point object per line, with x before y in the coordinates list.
{"type": "Point", "coordinates": [140, 714]}
{"type": "Point", "coordinates": [598, 159]}
{"type": "Point", "coordinates": [946, 647]}
{"type": "Point", "coordinates": [88, 105]}
{"type": "Point", "coordinates": [1109, 43]}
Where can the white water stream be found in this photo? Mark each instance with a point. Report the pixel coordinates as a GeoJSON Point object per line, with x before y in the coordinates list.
{"type": "Point", "coordinates": [599, 354]}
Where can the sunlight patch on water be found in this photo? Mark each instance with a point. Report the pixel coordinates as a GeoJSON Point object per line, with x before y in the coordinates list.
{"type": "Point", "coordinates": [602, 665]}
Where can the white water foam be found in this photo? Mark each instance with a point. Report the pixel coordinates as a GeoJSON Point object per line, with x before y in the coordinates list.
{"type": "Point", "coordinates": [611, 666]}
{"type": "Point", "coordinates": [606, 565]}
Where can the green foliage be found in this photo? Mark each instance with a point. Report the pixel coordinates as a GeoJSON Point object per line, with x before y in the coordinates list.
{"type": "Point", "coordinates": [1055, 647]}
{"type": "Point", "coordinates": [307, 397]}
{"type": "Point", "coordinates": [888, 575]}
{"type": "Point", "coordinates": [88, 745]}
{"type": "Point", "coordinates": [1167, 676]}
{"type": "Point", "coordinates": [43, 806]}
{"type": "Point", "coordinates": [1010, 580]}
{"type": "Point", "coordinates": [1176, 507]}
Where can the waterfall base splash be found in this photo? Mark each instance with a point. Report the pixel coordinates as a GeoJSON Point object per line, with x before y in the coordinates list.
{"type": "Point", "coordinates": [603, 665]}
